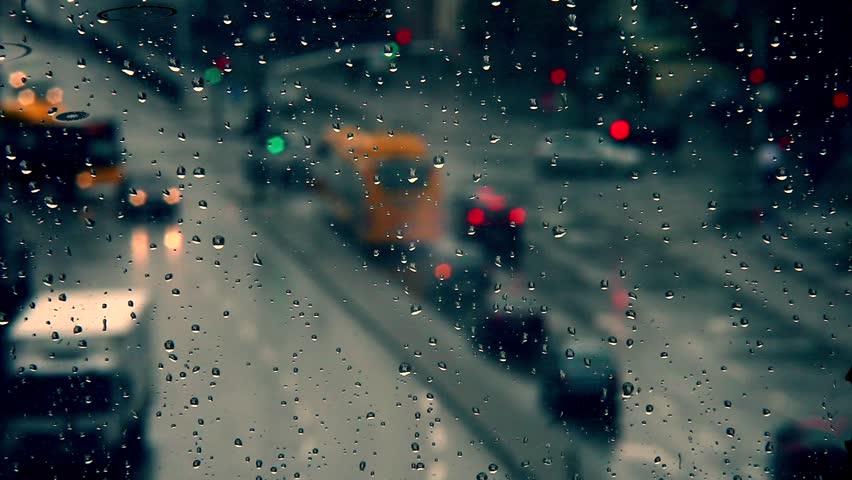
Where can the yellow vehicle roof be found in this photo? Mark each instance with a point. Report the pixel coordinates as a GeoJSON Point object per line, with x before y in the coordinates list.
{"type": "Point", "coordinates": [34, 113]}
{"type": "Point", "coordinates": [377, 146]}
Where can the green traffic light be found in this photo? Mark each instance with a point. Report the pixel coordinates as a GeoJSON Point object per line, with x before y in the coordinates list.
{"type": "Point", "coordinates": [391, 50]}
{"type": "Point", "coordinates": [276, 145]}
{"type": "Point", "coordinates": [213, 76]}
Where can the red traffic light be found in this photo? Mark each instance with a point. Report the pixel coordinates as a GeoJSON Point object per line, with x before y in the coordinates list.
{"type": "Point", "coordinates": [840, 100]}
{"type": "Point", "coordinates": [619, 130]}
{"type": "Point", "coordinates": [757, 76]}
{"type": "Point", "coordinates": [558, 76]}
{"type": "Point", "coordinates": [403, 36]}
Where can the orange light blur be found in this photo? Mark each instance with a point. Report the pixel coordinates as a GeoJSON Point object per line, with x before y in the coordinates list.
{"type": "Point", "coordinates": [85, 180]}
{"type": "Point", "coordinates": [26, 97]}
{"type": "Point", "coordinates": [139, 245]}
{"type": "Point", "coordinates": [173, 196]}
{"type": "Point", "coordinates": [443, 271]}
{"type": "Point", "coordinates": [139, 199]}
{"type": "Point", "coordinates": [55, 95]}
{"type": "Point", "coordinates": [17, 79]}
{"type": "Point", "coordinates": [172, 238]}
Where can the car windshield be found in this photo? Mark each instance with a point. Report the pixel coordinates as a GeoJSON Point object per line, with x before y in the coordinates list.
{"type": "Point", "coordinates": [432, 239]}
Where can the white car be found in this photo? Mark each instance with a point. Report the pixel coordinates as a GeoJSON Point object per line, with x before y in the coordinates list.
{"type": "Point", "coordinates": [78, 383]}
{"type": "Point", "coordinates": [584, 152]}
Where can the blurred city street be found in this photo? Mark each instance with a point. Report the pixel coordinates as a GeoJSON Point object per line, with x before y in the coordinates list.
{"type": "Point", "coordinates": [296, 355]}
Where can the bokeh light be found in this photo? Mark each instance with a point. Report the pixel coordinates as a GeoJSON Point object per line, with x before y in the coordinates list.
{"type": "Point", "coordinates": [840, 100]}
{"type": "Point", "coordinates": [620, 129]}
{"type": "Point", "coordinates": [276, 145]}
{"type": "Point", "coordinates": [17, 79]}
{"type": "Point", "coordinates": [757, 76]}
{"type": "Point", "coordinates": [403, 36]}
{"type": "Point", "coordinates": [558, 76]}
{"type": "Point", "coordinates": [213, 76]}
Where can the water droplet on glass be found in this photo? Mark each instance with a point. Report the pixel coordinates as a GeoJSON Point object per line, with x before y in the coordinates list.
{"type": "Point", "coordinates": [198, 172]}
{"type": "Point", "coordinates": [51, 202]}
{"type": "Point", "coordinates": [572, 22]}
{"type": "Point", "coordinates": [569, 354]}
{"type": "Point", "coordinates": [404, 369]}
{"type": "Point", "coordinates": [486, 62]}
{"type": "Point", "coordinates": [626, 389]}
{"type": "Point", "coordinates": [218, 242]}
{"type": "Point", "coordinates": [416, 309]}
{"type": "Point", "coordinates": [634, 4]}
{"type": "Point", "coordinates": [169, 345]}
{"type": "Point", "coordinates": [438, 161]}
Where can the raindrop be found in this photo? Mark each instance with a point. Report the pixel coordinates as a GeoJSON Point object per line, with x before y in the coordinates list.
{"type": "Point", "coordinates": [181, 171]}
{"type": "Point", "coordinates": [626, 389]}
{"type": "Point", "coordinates": [572, 22]}
{"type": "Point", "coordinates": [569, 354]}
{"type": "Point", "coordinates": [142, 97]}
{"type": "Point", "coordinates": [438, 161]}
{"type": "Point", "coordinates": [256, 260]}
{"type": "Point", "coordinates": [559, 231]}
{"type": "Point", "coordinates": [486, 62]}
{"type": "Point", "coordinates": [169, 345]}
{"type": "Point", "coordinates": [50, 201]}
{"type": "Point", "coordinates": [669, 294]}
{"type": "Point", "coordinates": [218, 242]}
{"type": "Point", "coordinates": [198, 172]}
{"type": "Point", "coordinates": [416, 309]}
{"type": "Point", "coordinates": [238, 442]}
{"type": "Point", "coordinates": [404, 369]}
{"type": "Point", "coordinates": [634, 4]}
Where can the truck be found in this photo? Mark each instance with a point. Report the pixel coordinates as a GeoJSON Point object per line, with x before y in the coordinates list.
{"type": "Point", "coordinates": [77, 382]}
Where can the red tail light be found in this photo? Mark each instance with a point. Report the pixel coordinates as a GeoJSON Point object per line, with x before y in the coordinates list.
{"type": "Point", "coordinates": [517, 216]}
{"type": "Point", "coordinates": [443, 271]}
{"type": "Point", "coordinates": [475, 216]}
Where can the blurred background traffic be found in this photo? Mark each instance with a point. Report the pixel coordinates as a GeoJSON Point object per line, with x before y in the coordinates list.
{"type": "Point", "coordinates": [440, 239]}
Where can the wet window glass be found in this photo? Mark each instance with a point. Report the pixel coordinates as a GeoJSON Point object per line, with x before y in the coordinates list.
{"type": "Point", "coordinates": [437, 239]}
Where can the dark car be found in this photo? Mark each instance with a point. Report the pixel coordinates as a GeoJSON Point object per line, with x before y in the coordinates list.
{"type": "Point", "coordinates": [494, 222]}
{"type": "Point", "coordinates": [449, 274]}
{"type": "Point", "coordinates": [510, 324]}
{"type": "Point", "coordinates": [149, 198]}
{"type": "Point", "coordinates": [811, 448]}
{"type": "Point", "coordinates": [15, 289]}
{"type": "Point", "coordinates": [581, 384]}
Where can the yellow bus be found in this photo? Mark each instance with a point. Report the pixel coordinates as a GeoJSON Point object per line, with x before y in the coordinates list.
{"type": "Point", "coordinates": [381, 187]}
